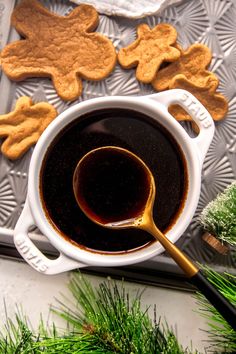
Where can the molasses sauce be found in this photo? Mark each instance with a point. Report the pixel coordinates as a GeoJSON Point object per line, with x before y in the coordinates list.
{"type": "Point", "coordinates": [128, 129]}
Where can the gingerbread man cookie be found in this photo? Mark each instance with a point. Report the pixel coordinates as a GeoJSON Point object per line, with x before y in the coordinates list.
{"type": "Point", "coordinates": [23, 127]}
{"type": "Point", "coordinates": [150, 50]}
{"type": "Point", "coordinates": [214, 102]}
{"type": "Point", "coordinates": [63, 48]}
{"type": "Point", "coordinates": [192, 64]}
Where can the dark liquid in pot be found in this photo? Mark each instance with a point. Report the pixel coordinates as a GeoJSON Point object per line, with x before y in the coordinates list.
{"type": "Point", "coordinates": [120, 178]}
{"type": "Point", "coordinates": [128, 129]}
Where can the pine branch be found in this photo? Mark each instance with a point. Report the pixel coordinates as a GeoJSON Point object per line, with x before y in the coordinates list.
{"type": "Point", "coordinates": [17, 337]}
{"type": "Point", "coordinates": [101, 320]}
{"type": "Point", "coordinates": [120, 323]}
{"type": "Point", "coordinates": [221, 335]}
{"type": "Point", "coordinates": [219, 216]}
{"type": "Point", "coordinates": [72, 344]}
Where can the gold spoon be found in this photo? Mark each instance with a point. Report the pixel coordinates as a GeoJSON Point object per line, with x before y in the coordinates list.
{"type": "Point", "coordinates": [140, 217]}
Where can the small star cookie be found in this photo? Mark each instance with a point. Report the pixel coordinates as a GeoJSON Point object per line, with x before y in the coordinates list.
{"type": "Point", "coordinates": [215, 103]}
{"type": "Point", "coordinates": [192, 64]}
{"type": "Point", "coordinates": [150, 50]}
{"type": "Point", "coordinates": [63, 48]}
{"type": "Point", "coordinates": [22, 127]}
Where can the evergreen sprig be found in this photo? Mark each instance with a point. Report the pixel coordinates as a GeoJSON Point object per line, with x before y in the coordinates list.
{"type": "Point", "coordinates": [17, 337]}
{"type": "Point", "coordinates": [118, 322]}
{"type": "Point", "coordinates": [222, 337]}
{"type": "Point", "coordinates": [101, 320]}
{"type": "Point", "coordinates": [219, 216]}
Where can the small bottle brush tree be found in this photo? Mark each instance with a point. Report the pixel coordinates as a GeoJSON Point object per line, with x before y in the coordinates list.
{"type": "Point", "coordinates": [219, 219]}
{"type": "Point", "coordinates": [219, 216]}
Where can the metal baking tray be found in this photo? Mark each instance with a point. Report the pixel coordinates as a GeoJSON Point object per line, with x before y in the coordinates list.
{"type": "Point", "coordinates": [205, 21]}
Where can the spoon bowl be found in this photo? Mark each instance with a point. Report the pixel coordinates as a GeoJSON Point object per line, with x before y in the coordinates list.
{"type": "Point", "coordinates": [142, 194]}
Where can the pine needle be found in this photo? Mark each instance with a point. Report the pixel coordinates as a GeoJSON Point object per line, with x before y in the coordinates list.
{"type": "Point", "coordinates": [221, 335]}
{"type": "Point", "coordinates": [219, 216]}
{"type": "Point", "coordinates": [17, 337]}
{"type": "Point", "coordinates": [118, 322]}
{"type": "Point", "coordinates": [101, 320]}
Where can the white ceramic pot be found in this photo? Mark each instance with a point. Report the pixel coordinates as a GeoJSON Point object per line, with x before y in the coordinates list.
{"type": "Point", "coordinates": [155, 106]}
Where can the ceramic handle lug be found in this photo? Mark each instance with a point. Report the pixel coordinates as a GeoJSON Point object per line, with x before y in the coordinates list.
{"type": "Point", "coordinates": [32, 255]}
{"type": "Point", "coordinates": [198, 113]}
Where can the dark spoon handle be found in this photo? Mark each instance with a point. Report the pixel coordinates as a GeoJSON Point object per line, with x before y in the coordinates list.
{"type": "Point", "coordinates": [224, 307]}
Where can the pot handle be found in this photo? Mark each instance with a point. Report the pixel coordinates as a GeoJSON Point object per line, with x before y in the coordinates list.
{"type": "Point", "coordinates": [196, 110]}
{"type": "Point", "coordinates": [32, 255]}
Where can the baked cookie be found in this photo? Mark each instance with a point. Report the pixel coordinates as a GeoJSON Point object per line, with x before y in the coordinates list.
{"type": "Point", "coordinates": [192, 64]}
{"type": "Point", "coordinates": [61, 47]}
{"type": "Point", "coordinates": [22, 127]}
{"type": "Point", "coordinates": [151, 48]}
{"type": "Point", "coordinates": [215, 103]}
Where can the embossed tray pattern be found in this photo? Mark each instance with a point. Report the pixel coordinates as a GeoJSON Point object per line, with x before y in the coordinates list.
{"type": "Point", "coordinates": [207, 21]}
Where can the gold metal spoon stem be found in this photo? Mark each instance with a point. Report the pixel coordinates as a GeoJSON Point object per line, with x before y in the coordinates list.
{"type": "Point", "coordinates": [182, 260]}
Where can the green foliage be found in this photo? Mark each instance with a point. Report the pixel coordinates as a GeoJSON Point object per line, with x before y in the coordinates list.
{"type": "Point", "coordinates": [100, 320]}
{"type": "Point", "coordinates": [221, 335]}
{"type": "Point", "coordinates": [119, 323]}
{"type": "Point", "coordinates": [219, 216]}
{"type": "Point", "coordinates": [17, 338]}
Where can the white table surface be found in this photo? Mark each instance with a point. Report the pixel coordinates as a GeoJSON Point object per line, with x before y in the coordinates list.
{"type": "Point", "coordinates": [21, 285]}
